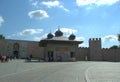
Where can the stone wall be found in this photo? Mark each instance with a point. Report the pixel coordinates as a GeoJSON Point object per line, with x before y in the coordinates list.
{"type": "Point", "coordinates": [110, 54]}
{"type": "Point", "coordinates": [26, 48]}
{"type": "Point", "coordinates": [35, 50]}
{"type": "Point", "coordinates": [2, 47]}
{"type": "Point", "coordinates": [83, 54]}
{"type": "Point", "coordinates": [22, 50]}
{"type": "Point", "coordinates": [96, 53]}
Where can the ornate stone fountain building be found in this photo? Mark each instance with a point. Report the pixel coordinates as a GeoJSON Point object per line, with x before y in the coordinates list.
{"type": "Point", "coordinates": [59, 47]}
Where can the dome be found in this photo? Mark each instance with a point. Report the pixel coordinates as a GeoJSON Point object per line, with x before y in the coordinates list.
{"type": "Point", "coordinates": [50, 35]}
{"type": "Point", "coordinates": [72, 37]}
{"type": "Point", "coordinates": [58, 33]}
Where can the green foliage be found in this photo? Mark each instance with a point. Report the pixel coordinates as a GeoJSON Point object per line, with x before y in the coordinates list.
{"type": "Point", "coordinates": [114, 47]}
{"type": "Point", "coordinates": [119, 37]}
{"type": "Point", "coordinates": [1, 36]}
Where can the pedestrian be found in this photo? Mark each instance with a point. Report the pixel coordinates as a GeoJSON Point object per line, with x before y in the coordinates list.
{"type": "Point", "coordinates": [31, 56]}
{"type": "Point", "coordinates": [0, 57]}
{"type": "Point", "coordinates": [6, 59]}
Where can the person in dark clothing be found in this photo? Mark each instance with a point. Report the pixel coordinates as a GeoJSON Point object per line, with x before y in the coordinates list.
{"type": "Point", "coordinates": [31, 56]}
{"type": "Point", "coordinates": [0, 57]}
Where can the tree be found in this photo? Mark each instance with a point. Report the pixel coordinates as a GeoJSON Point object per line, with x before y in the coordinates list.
{"type": "Point", "coordinates": [1, 36]}
{"type": "Point", "coordinates": [119, 38]}
{"type": "Point", "coordinates": [114, 47]}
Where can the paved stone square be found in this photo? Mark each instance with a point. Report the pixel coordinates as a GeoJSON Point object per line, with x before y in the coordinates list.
{"type": "Point", "coordinates": [21, 71]}
{"type": "Point", "coordinates": [105, 72]}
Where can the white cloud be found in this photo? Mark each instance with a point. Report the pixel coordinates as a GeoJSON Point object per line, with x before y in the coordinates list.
{"type": "Point", "coordinates": [30, 32]}
{"type": "Point", "coordinates": [41, 37]}
{"type": "Point", "coordinates": [1, 20]}
{"type": "Point", "coordinates": [84, 2]}
{"type": "Point", "coordinates": [106, 2]}
{"type": "Point", "coordinates": [37, 38]}
{"type": "Point", "coordinates": [55, 3]}
{"type": "Point", "coordinates": [62, 7]}
{"type": "Point", "coordinates": [51, 3]}
{"type": "Point", "coordinates": [83, 45]}
{"type": "Point", "coordinates": [80, 38]}
{"type": "Point", "coordinates": [10, 36]}
{"type": "Point", "coordinates": [95, 2]}
{"type": "Point", "coordinates": [68, 30]}
{"type": "Point", "coordinates": [38, 14]}
{"type": "Point", "coordinates": [34, 3]}
{"type": "Point", "coordinates": [109, 38]}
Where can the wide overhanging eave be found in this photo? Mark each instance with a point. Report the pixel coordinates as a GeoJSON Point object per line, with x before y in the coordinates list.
{"type": "Point", "coordinates": [44, 42]}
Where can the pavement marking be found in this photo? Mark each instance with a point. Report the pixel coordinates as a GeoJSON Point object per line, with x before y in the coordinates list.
{"type": "Point", "coordinates": [97, 79]}
{"type": "Point", "coordinates": [86, 73]}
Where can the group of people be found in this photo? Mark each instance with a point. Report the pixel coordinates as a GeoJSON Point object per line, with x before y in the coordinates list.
{"type": "Point", "coordinates": [4, 58]}
{"type": "Point", "coordinates": [29, 58]}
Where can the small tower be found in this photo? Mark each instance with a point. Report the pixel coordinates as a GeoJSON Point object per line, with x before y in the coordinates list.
{"type": "Point", "coordinates": [95, 49]}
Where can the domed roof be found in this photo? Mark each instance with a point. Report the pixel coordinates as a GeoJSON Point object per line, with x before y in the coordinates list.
{"type": "Point", "coordinates": [72, 37]}
{"type": "Point", "coordinates": [50, 35]}
{"type": "Point", "coordinates": [58, 33]}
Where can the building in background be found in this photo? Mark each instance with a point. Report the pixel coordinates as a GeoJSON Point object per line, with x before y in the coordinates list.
{"type": "Point", "coordinates": [58, 48]}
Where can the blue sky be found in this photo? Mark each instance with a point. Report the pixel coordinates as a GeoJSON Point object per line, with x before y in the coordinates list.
{"type": "Point", "coordinates": [34, 19]}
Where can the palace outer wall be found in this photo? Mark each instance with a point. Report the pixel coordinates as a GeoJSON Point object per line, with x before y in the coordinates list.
{"type": "Point", "coordinates": [94, 52]}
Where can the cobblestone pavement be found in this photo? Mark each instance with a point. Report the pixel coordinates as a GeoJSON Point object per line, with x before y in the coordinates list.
{"type": "Point", "coordinates": [21, 71]}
